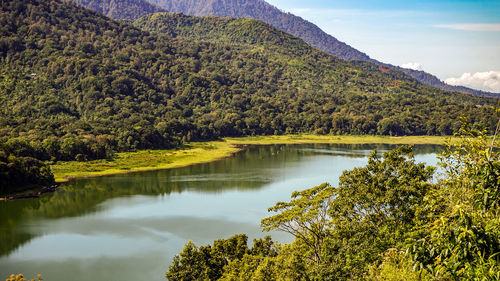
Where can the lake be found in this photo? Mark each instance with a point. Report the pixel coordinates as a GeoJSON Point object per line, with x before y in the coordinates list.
{"type": "Point", "coordinates": [130, 226]}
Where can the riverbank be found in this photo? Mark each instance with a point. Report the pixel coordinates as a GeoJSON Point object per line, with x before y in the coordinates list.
{"type": "Point", "coordinates": [203, 152]}
{"type": "Point", "coordinates": [145, 160]}
{"type": "Point", "coordinates": [34, 192]}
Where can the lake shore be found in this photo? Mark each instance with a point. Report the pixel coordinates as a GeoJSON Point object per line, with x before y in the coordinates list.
{"type": "Point", "coordinates": [203, 152]}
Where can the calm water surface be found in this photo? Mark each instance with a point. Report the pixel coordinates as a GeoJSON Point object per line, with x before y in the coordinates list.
{"type": "Point", "coordinates": [129, 227]}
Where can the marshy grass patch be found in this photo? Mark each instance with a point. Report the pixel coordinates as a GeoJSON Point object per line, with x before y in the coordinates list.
{"type": "Point", "coordinates": [203, 152]}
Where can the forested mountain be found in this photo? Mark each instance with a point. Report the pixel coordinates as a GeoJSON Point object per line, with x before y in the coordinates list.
{"type": "Point", "coordinates": [121, 9]}
{"type": "Point", "coordinates": [228, 30]}
{"type": "Point", "coordinates": [309, 32]}
{"type": "Point", "coordinates": [261, 10]}
{"type": "Point", "coordinates": [244, 32]}
{"type": "Point", "coordinates": [77, 85]}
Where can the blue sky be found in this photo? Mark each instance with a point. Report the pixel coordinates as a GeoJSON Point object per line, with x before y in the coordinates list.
{"type": "Point", "coordinates": [446, 38]}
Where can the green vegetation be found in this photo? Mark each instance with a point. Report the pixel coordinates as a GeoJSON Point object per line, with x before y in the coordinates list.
{"type": "Point", "coordinates": [301, 28]}
{"type": "Point", "coordinates": [386, 221]}
{"type": "Point", "coordinates": [241, 31]}
{"type": "Point", "coordinates": [457, 235]}
{"type": "Point", "coordinates": [75, 85]}
{"type": "Point", "coordinates": [145, 160]}
{"type": "Point", "coordinates": [370, 212]}
{"type": "Point", "coordinates": [201, 152]}
{"type": "Point", "coordinates": [18, 173]}
{"type": "Point", "coordinates": [208, 262]}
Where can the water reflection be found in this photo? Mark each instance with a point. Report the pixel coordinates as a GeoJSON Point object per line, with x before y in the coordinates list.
{"type": "Point", "coordinates": [11, 213]}
{"type": "Point", "coordinates": [92, 219]}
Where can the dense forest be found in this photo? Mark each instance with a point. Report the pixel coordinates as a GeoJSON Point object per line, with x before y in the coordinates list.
{"type": "Point", "coordinates": [75, 85]}
{"type": "Point", "coordinates": [231, 30]}
{"type": "Point", "coordinates": [18, 173]}
{"type": "Point", "coordinates": [307, 31]}
{"type": "Point", "coordinates": [386, 221]}
{"type": "Point", "coordinates": [261, 10]}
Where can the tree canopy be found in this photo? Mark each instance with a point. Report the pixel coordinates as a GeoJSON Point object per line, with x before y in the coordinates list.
{"type": "Point", "coordinates": [393, 219]}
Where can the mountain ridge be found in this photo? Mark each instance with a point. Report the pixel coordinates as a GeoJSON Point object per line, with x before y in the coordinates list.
{"type": "Point", "coordinates": [295, 25]}
{"type": "Point", "coordinates": [121, 9]}
{"type": "Point", "coordinates": [272, 15]}
{"type": "Point", "coordinates": [231, 30]}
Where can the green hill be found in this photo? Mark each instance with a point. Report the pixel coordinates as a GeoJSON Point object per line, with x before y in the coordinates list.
{"type": "Point", "coordinates": [219, 30]}
{"type": "Point", "coordinates": [77, 85]}
{"type": "Point", "coordinates": [292, 24]}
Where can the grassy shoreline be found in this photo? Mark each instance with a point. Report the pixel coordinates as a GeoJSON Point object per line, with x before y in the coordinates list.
{"type": "Point", "coordinates": [328, 139]}
{"type": "Point", "coordinates": [145, 160]}
{"type": "Point", "coordinates": [203, 152]}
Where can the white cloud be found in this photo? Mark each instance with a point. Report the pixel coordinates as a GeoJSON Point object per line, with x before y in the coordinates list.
{"type": "Point", "coordinates": [471, 26]}
{"type": "Point", "coordinates": [412, 65]}
{"type": "Point", "coordinates": [488, 81]}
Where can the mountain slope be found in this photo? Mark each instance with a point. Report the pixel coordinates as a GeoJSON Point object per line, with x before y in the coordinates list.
{"type": "Point", "coordinates": [245, 32]}
{"type": "Point", "coordinates": [121, 9]}
{"type": "Point", "coordinates": [77, 85]}
{"type": "Point", "coordinates": [239, 31]}
{"type": "Point", "coordinates": [259, 9]}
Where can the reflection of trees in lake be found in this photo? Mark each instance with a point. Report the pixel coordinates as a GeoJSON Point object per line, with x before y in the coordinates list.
{"type": "Point", "coordinates": [12, 213]}
{"type": "Point", "coordinates": [250, 169]}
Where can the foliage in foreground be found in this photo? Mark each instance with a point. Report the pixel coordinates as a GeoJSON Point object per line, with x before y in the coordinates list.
{"type": "Point", "coordinates": [20, 277]}
{"type": "Point", "coordinates": [209, 262]}
{"type": "Point", "coordinates": [371, 211]}
{"type": "Point", "coordinates": [386, 221]}
{"type": "Point", "coordinates": [459, 236]}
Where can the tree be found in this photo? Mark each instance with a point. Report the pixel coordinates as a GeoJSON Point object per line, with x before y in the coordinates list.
{"type": "Point", "coordinates": [396, 266]}
{"type": "Point", "coordinates": [373, 211]}
{"type": "Point", "coordinates": [20, 173]}
{"type": "Point", "coordinates": [459, 237]}
{"type": "Point", "coordinates": [207, 262]}
{"type": "Point", "coordinates": [343, 230]}
{"type": "Point", "coordinates": [289, 264]}
{"type": "Point", "coordinates": [389, 189]}
{"type": "Point", "coordinates": [305, 217]}
{"type": "Point", "coordinates": [188, 265]}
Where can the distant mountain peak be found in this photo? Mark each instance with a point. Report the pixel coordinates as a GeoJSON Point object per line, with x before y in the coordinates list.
{"type": "Point", "coordinates": [261, 10]}
{"type": "Point", "coordinates": [307, 31]}
{"type": "Point", "coordinates": [121, 9]}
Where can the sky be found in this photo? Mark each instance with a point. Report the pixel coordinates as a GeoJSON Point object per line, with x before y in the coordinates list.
{"type": "Point", "coordinates": [458, 41]}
